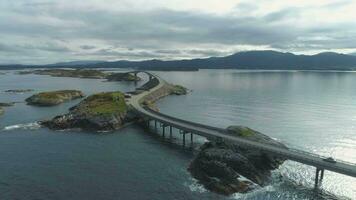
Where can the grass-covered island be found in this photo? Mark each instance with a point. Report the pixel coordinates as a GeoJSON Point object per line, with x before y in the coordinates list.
{"type": "Point", "coordinates": [105, 111]}
{"type": "Point", "coordinates": [122, 77]}
{"type": "Point", "coordinates": [220, 164]}
{"type": "Point", "coordinates": [85, 73]}
{"type": "Point", "coordinates": [54, 97]}
{"type": "Point", "coordinates": [76, 73]}
{"type": "Point", "coordinates": [1, 111]}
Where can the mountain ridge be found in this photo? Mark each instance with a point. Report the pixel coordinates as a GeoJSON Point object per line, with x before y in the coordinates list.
{"type": "Point", "coordinates": [266, 59]}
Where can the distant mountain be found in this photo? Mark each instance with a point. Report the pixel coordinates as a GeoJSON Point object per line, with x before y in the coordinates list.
{"type": "Point", "coordinates": [268, 60]}
{"type": "Point", "coordinates": [251, 60]}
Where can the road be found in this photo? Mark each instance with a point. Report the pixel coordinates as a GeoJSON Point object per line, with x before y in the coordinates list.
{"type": "Point", "coordinates": [217, 133]}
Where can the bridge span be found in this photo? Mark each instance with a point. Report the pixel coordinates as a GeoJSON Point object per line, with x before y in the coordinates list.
{"type": "Point", "coordinates": [187, 127]}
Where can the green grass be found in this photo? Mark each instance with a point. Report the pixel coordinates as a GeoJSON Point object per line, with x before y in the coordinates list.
{"type": "Point", "coordinates": [55, 94]}
{"type": "Point", "coordinates": [241, 131]}
{"type": "Point", "coordinates": [106, 103]}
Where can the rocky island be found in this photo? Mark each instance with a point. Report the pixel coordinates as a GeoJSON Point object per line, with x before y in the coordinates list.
{"type": "Point", "coordinates": [85, 73]}
{"type": "Point", "coordinates": [99, 112]}
{"type": "Point", "coordinates": [53, 98]}
{"type": "Point", "coordinates": [122, 77]}
{"type": "Point", "coordinates": [76, 73]}
{"type": "Point", "coordinates": [4, 105]}
{"type": "Point", "coordinates": [220, 165]}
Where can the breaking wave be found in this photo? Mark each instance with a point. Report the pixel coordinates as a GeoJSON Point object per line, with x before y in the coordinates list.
{"type": "Point", "coordinates": [28, 126]}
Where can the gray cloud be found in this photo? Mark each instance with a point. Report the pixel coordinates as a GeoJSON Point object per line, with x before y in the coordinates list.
{"type": "Point", "coordinates": [64, 32]}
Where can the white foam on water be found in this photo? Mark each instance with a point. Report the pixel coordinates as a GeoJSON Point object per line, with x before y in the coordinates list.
{"type": "Point", "coordinates": [28, 126]}
{"type": "Point", "coordinates": [196, 187]}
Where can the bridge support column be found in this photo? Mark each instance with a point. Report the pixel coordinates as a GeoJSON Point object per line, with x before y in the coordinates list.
{"type": "Point", "coordinates": [170, 132]}
{"type": "Point", "coordinates": [184, 133]}
{"type": "Point", "coordinates": [191, 139]}
{"type": "Point", "coordinates": [318, 179]}
{"type": "Point", "coordinates": [155, 126]}
{"type": "Point", "coordinates": [164, 130]}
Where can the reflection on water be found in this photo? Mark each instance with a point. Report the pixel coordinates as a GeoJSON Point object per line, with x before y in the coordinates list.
{"type": "Point", "coordinates": [313, 111]}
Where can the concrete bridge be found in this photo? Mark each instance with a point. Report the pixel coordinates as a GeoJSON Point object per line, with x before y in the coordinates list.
{"type": "Point", "coordinates": [187, 127]}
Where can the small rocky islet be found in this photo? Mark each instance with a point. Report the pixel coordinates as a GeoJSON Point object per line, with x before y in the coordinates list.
{"type": "Point", "coordinates": [105, 111]}
{"type": "Point", "coordinates": [2, 111]}
{"type": "Point", "coordinates": [220, 165]}
{"type": "Point", "coordinates": [53, 98]}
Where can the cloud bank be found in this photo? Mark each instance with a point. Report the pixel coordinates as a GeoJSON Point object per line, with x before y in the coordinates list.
{"type": "Point", "coordinates": [39, 32]}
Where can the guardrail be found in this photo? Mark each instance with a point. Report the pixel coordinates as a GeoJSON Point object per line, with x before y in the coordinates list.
{"type": "Point", "coordinates": [289, 153]}
{"type": "Point", "coordinates": [307, 155]}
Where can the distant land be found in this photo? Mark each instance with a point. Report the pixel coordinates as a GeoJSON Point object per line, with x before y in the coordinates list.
{"type": "Point", "coordinates": [265, 60]}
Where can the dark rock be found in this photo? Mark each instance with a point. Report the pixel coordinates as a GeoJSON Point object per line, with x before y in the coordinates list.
{"type": "Point", "coordinates": [219, 165]}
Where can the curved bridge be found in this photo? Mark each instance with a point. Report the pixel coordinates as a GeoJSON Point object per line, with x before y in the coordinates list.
{"type": "Point", "coordinates": [321, 163]}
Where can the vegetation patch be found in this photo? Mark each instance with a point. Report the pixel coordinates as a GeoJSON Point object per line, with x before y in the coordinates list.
{"type": "Point", "coordinates": [241, 131]}
{"type": "Point", "coordinates": [122, 77]}
{"type": "Point", "coordinates": [105, 111]}
{"type": "Point", "coordinates": [54, 97]}
{"type": "Point", "coordinates": [103, 103]}
{"type": "Point", "coordinates": [76, 73]}
{"type": "Point", "coordinates": [179, 90]}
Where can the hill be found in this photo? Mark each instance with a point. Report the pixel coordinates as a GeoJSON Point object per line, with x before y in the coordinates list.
{"type": "Point", "coordinates": [268, 60]}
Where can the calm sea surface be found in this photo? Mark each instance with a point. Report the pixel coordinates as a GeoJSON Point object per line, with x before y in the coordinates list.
{"type": "Point", "coordinates": [312, 111]}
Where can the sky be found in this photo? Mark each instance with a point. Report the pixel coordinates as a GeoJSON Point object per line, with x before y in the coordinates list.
{"type": "Point", "coordinates": [50, 31]}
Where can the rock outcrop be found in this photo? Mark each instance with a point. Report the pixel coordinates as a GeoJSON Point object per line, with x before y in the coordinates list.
{"type": "Point", "coordinates": [53, 98]}
{"type": "Point", "coordinates": [220, 164]}
{"type": "Point", "coordinates": [6, 104]}
{"type": "Point", "coordinates": [2, 111]}
{"type": "Point", "coordinates": [122, 77]}
{"type": "Point", "coordinates": [99, 112]}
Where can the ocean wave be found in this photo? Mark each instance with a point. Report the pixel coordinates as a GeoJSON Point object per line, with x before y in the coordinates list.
{"type": "Point", "coordinates": [194, 186]}
{"type": "Point", "coordinates": [28, 126]}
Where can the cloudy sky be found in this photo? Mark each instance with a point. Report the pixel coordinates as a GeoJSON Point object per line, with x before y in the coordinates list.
{"type": "Point", "coordinates": [48, 31]}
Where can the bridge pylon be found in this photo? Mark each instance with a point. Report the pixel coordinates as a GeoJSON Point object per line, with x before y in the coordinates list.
{"type": "Point", "coordinates": [319, 175]}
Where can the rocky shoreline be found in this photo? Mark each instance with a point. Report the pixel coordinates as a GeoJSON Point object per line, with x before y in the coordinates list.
{"type": "Point", "coordinates": [220, 165]}
{"type": "Point", "coordinates": [54, 97]}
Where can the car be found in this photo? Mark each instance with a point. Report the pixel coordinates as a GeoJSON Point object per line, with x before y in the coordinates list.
{"type": "Point", "coordinates": [128, 95]}
{"type": "Point", "coordinates": [330, 160]}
